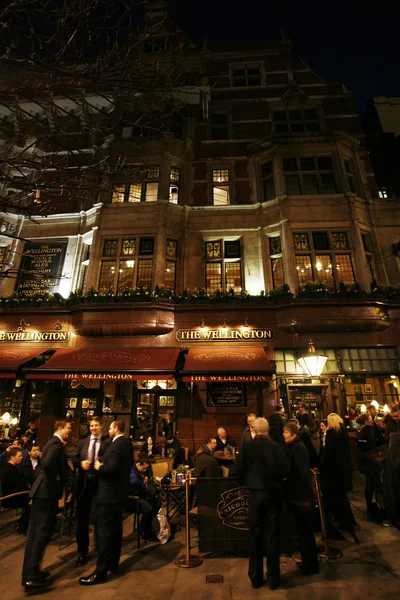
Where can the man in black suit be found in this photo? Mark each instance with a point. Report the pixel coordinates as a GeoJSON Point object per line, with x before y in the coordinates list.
{"type": "Point", "coordinates": [223, 440]}
{"type": "Point", "coordinates": [262, 468]}
{"type": "Point", "coordinates": [45, 492]}
{"type": "Point", "coordinates": [113, 490]}
{"type": "Point", "coordinates": [30, 463]}
{"type": "Point", "coordinates": [206, 465]}
{"type": "Point", "coordinates": [12, 482]}
{"type": "Point", "coordinates": [88, 450]}
{"type": "Point", "coordinates": [248, 434]}
{"type": "Point", "coordinates": [210, 446]}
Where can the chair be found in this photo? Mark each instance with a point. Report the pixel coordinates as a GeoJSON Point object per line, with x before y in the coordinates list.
{"type": "Point", "coordinates": [225, 471]}
{"type": "Point", "coordinates": [136, 524]}
{"type": "Point", "coordinates": [185, 450]}
{"type": "Point", "coordinates": [160, 469]}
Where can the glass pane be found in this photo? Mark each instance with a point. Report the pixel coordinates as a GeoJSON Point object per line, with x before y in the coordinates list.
{"type": "Point", "coordinates": [281, 128]}
{"type": "Point", "coordinates": [375, 365]}
{"type": "Point", "coordinates": [118, 396]}
{"type": "Point", "coordinates": [300, 241]}
{"type": "Point", "coordinates": [279, 115]}
{"type": "Point", "coordinates": [311, 114]}
{"type": "Point", "coordinates": [297, 127]}
{"type": "Point", "coordinates": [295, 115]}
{"type": "Point", "coordinates": [169, 279]}
{"type": "Point", "coordinates": [353, 353]}
{"type": "Point", "coordinates": [128, 247]}
{"type": "Point", "coordinates": [363, 353]}
{"type": "Point", "coordinates": [220, 175]}
{"type": "Point", "coordinates": [307, 164]}
{"type": "Point", "coordinates": [213, 249]}
{"type": "Point", "coordinates": [269, 189]}
{"type": "Point", "coordinates": [221, 195]}
{"type": "Point", "coordinates": [312, 126]}
{"type": "Point", "coordinates": [278, 276]}
{"type": "Point", "coordinates": [289, 164]}
{"type": "Point", "coordinates": [344, 268]}
{"type": "Point", "coordinates": [144, 274]}
{"type": "Point", "coordinates": [145, 416]}
{"type": "Point", "coordinates": [239, 82]}
{"type": "Point", "coordinates": [166, 417]}
{"type": "Point", "coordinates": [118, 194]}
{"type": "Point", "coordinates": [310, 184]}
{"type": "Point", "coordinates": [320, 240]}
{"type": "Point", "coordinates": [239, 72]}
{"type": "Point", "coordinates": [278, 354]}
{"type": "Point", "coordinates": [328, 183]}
{"type": "Point", "coordinates": [175, 173]}
{"type": "Point", "coordinates": [153, 172]}
{"type": "Point", "coordinates": [220, 119]}
{"type": "Point", "coordinates": [151, 192]}
{"type": "Point", "coordinates": [266, 169]}
{"type": "Point", "coordinates": [174, 194]}
{"type": "Point", "coordinates": [304, 269]}
{"type": "Point", "coordinates": [253, 71]}
{"type": "Point", "coordinates": [292, 185]}
{"type": "Point", "coordinates": [275, 246]}
{"type": "Point", "coordinates": [323, 266]}
{"type": "Point", "coordinates": [171, 248]}
{"type": "Point", "coordinates": [107, 274]}
{"type": "Point", "coordinates": [135, 192]}
{"type": "Point", "coordinates": [325, 163]}
{"type": "Point", "coordinates": [213, 277]}
{"type": "Point", "coordinates": [146, 246]}
{"type": "Point", "coordinates": [233, 276]}
{"type": "Point", "coordinates": [125, 274]}
{"type": "Point", "coordinates": [339, 240]}
{"type": "Point", "coordinates": [110, 248]}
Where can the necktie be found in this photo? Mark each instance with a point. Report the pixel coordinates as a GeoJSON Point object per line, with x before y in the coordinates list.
{"type": "Point", "coordinates": [92, 452]}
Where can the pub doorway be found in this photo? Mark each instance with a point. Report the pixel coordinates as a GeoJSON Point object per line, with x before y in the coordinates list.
{"type": "Point", "coordinates": [317, 398]}
{"type": "Point", "coordinates": [80, 404]}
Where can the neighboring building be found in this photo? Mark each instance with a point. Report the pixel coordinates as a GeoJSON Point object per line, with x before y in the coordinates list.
{"type": "Point", "coordinates": [381, 125]}
{"type": "Point", "coordinates": [264, 181]}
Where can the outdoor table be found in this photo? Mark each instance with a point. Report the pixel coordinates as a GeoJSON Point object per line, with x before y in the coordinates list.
{"type": "Point", "coordinates": [175, 499]}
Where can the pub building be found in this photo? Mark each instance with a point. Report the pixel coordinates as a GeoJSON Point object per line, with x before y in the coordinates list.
{"type": "Point", "coordinates": [183, 297]}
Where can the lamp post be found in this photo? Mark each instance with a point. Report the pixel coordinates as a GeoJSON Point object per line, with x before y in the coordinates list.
{"type": "Point", "coordinates": [312, 363]}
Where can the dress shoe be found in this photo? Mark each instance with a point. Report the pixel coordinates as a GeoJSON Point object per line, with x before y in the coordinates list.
{"type": "Point", "coordinates": [82, 560]}
{"type": "Point", "coordinates": [32, 585]}
{"type": "Point", "coordinates": [257, 584]}
{"type": "Point", "coordinates": [93, 579]}
{"type": "Point", "coordinates": [274, 582]}
{"type": "Point", "coordinates": [41, 577]}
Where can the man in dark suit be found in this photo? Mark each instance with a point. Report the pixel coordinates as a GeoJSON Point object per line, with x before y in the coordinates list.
{"type": "Point", "coordinates": [12, 482]}
{"type": "Point", "coordinates": [113, 489]}
{"type": "Point", "coordinates": [30, 463]}
{"type": "Point", "coordinates": [223, 440]}
{"type": "Point", "coordinates": [88, 450]}
{"type": "Point", "coordinates": [210, 446]}
{"type": "Point", "coordinates": [262, 468]}
{"type": "Point", "coordinates": [206, 465]}
{"type": "Point", "coordinates": [45, 493]}
{"type": "Point", "coordinates": [248, 434]}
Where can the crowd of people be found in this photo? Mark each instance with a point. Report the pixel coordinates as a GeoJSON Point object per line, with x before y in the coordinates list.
{"type": "Point", "coordinates": [273, 462]}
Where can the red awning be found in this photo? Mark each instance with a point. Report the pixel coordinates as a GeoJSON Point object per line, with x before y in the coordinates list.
{"type": "Point", "coordinates": [12, 359]}
{"type": "Point", "coordinates": [5, 375]}
{"type": "Point", "coordinates": [109, 364]}
{"type": "Point", "coordinates": [233, 364]}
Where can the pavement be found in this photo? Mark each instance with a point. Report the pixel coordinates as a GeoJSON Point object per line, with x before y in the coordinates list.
{"type": "Point", "coordinates": [370, 570]}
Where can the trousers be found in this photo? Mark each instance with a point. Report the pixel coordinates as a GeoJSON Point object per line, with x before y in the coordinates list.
{"type": "Point", "coordinates": [41, 527]}
{"type": "Point", "coordinates": [308, 547]}
{"type": "Point", "coordinates": [108, 523]}
{"type": "Point", "coordinates": [264, 517]}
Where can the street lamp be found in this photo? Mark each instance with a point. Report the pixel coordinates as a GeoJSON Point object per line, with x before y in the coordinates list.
{"type": "Point", "coordinates": [312, 363]}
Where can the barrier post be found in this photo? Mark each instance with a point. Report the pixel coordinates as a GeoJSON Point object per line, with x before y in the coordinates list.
{"type": "Point", "coordinates": [328, 552]}
{"type": "Point", "coordinates": [188, 561]}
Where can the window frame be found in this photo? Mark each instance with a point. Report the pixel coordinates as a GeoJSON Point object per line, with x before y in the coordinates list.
{"type": "Point", "coordinates": [330, 251]}
{"type": "Point", "coordinates": [302, 173]}
{"type": "Point", "coordinates": [142, 183]}
{"type": "Point", "coordinates": [119, 258]}
{"type": "Point", "coordinates": [171, 259]}
{"type": "Point", "coordinates": [267, 178]}
{"type": "Point", "coordinates": [290, 122]}
{"type": "Point", "coordinates": [222, 184]}
{"type": "Point", "coordinates": [248, 77]}
{"type": "Point", "coordinates": [174, 183]}
{"type": "Point", "coordinates": [222, 261]}
{"type": "Point", "coordinates": [219, 126]}
{"type": "Point", "coordinates": [276, 256]}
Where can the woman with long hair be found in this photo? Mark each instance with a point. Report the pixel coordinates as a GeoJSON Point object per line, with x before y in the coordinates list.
{"type": "Point", "coordinates": [299, 496]}
{"type": "Point", "coordinates": [337, 470]}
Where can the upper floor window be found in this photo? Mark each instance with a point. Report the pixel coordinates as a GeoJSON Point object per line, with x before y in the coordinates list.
{"type": "Point", "coordinates": [246, 75]}
{"type": "Point", "coordinates": [174, 182]}
{"type": "Point", "coordinates": [267, 176]}
{"type": "Point", "coordinates": [320, 257]}
{"type": "Point", "coordinates": [276, 257]}
{"type": "Point", "coordinates": [219, 126]}
{"type": "Point", "coordinates": [126, 263]}
{"type": "Point", "coordinates": [223, 266]}
{"type": "Point", "coordinates": [221, 188]}
{"type": "Point", "coordinates": [141, 191]}
{"type": "Point", "coordinates": [383, 193]}
{"type": "Point", "coordinates": [296, 121]}
{"type": "Point", "coordinates": [171, 258]}
{"type": "Point", "coordinates": [368, 254]}
{"type": "Point", "coordinates": [309, 175]}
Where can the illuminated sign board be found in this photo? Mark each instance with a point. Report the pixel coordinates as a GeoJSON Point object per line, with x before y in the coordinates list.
{"type": "Point", "coordinates": [223, 335]}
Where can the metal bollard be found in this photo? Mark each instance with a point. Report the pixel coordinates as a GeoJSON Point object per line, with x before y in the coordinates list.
{"type": "Point", "coordinates": [328, 552]}
{"type": "Point", "coordinates": [187, 560]}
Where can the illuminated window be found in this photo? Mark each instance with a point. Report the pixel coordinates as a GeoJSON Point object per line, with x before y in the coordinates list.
{"type": "Point", "coordinates": [118, 194]}
{"type": "Point", "coordinates": [300, 241]}
{"type": "Point", "coordinates": [221, 193]}
{"type": "Point", "coordinates": [129, 268]}
{"type": "Point", "coordinates": [323, 270]}
{"type": "Point", "coordinates": [135, 192]}
{"type": "Point", "coordinates": [361, 360]}
{"type": "Point", "coordinates": [304, 268]}
{"type": "Point", "coordinates": [344, 268]}
{"type": "Point", "coordinates": [309, 175]}
{"type": "Point", "coordinates": [151, 186]}
{"type": "Point", "coordinates": [296, 121]}
{"type": "Point", "coordinates": [174, 185]}
{"type": "Point", "coordinates": [223, 266]}
{"type": "Point", "coordinates": [276, 257]}
{"type": "Point", "coordinates": [171, 254]}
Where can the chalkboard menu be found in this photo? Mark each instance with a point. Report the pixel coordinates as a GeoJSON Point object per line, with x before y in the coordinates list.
{"type": "Point", "coordinates": [226, 394]}
{"type": "Point", "coordinates": [41, 268]}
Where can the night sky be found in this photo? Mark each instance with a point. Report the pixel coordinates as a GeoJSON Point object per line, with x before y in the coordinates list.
{"type": "Point", "coordinates": [363, 53]}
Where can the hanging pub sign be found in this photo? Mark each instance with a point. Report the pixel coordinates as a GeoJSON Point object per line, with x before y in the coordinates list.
{"type": "Point", "coordinates": [34, 336]}
{"type": "Point", "coordinates": [223, 335]}
{"type": "Point", "coordinates": [41, 268]}
{"type": "Point", "coordinates": [226, 395]}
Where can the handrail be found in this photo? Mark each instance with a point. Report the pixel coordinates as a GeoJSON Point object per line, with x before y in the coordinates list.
{"type": "Point", "coordinates": [14, 495]}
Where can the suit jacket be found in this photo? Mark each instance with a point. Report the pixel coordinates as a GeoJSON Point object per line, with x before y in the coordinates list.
{"type": "Point", "coordinates": [297, 488]}
{"type": "Point", "coordinates": [246, 436]}
{"type": "Point", "coordinates": [206, 466]}
{"type": "Point", "coordinates": [11, 483]}
{"type": "Point", "coordinates": [114, 472]}
{"type": "Point", "coordinates": [87, 480]}
{"type": "Point", "coordinates": [26, 469]}
{"type": "Point", "coordinates": [53, 472]}
{"type": "Point", "coordinates": [221, 445]}
{"type": "Point", "coordinates": [261, 465]}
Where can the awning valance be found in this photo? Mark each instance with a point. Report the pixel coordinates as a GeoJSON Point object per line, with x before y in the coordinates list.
{"type": "Point", "coordinates": [233, 364]}
{"type": "Point", "coordinates": [12, 359]}
{"type": "Point", "coordinates": [119, 365]}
